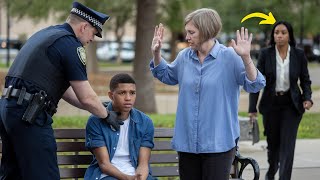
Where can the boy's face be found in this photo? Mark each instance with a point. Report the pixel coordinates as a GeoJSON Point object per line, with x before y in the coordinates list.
{"type": "Point", "coordinates": [123, 97]}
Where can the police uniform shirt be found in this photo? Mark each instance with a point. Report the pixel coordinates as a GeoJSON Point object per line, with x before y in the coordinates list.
{"type": "Point", "coordinates": [66, 54]}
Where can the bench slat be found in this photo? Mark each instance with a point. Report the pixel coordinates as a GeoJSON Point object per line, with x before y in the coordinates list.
{"type": "Point", "coordinates": [162, 146]}
{"type": "Point", "coordinates": [66, 173]}
{"type": "Point", "coordinates": [71, 146]}
{"type": "Point", "coordinates": [80, 133]}
{"type": "Point", "coordinates": [86, 159]}
{"type": "Point", "coordinates": [165, 171]}
{"type": "Point", "coordinates": [74, 159]}
{"type": "Point", "coordinates": [80, 146]}
{"type": "Point", "coordinates": [69, 133]}
{"type": "Point", "coordinates": [164, 158]}
{"type": "Point", "coordinates": [163, 132]}
{"type": "Point", "coordinates": [156, 171]}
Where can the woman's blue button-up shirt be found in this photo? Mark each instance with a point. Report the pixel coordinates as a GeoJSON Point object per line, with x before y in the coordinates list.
{"type": "Point", "coordinates": [207, 112]}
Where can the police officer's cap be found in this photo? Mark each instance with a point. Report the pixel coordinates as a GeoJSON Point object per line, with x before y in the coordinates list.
{"type": "Point", "coordinates": [95, 18]}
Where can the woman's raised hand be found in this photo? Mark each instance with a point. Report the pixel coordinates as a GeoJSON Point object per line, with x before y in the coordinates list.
{"type": "Point", "coordinates": [243, 44]}
{"type": "Point", "coordinates": [157, 41]}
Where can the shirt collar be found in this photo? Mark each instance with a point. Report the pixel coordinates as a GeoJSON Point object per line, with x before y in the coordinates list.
{"type": "Point", "coordinates": [68, 28]}
{"type": "Point", "coordinates": [213, 52]}
{"type": "Point", "coordinates": [288, 52]}
{"type": "Point", "coordinates": [133, 113]}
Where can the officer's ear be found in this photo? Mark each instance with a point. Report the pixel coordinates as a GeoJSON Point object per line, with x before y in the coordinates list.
{"type": "Point", "coordinates": [83, 26]}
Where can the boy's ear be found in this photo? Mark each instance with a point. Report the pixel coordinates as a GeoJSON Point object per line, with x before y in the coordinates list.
{"type": "Point", "coordinates": [110, 94]}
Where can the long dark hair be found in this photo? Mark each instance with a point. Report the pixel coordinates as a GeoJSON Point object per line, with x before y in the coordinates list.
{"type": "Point", "coordinates": [292, 41]}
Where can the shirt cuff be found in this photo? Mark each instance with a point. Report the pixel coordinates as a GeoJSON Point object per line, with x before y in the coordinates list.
{"type": "Point", "coordinates": [159, 66]}
{"type": "Point", "coordinates": [259, 76]}
{"type": "Point", "coordinates": [95, 144]}
{"type": "Point", "coordinates": [147, 144]}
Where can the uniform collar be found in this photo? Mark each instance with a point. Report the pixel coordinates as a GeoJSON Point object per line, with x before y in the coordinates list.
{"type": "Point", "coordinates": [68, 28]}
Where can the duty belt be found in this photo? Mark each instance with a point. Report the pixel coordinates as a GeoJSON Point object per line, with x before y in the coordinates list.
{"type": "Point", "coordinates": [22, 94]}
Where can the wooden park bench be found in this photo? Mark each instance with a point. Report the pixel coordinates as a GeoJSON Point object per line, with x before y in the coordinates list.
{"type": "Point", "coordinates": [74, 158]}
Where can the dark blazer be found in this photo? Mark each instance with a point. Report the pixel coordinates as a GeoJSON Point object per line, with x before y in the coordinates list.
{"type": "Point", "coordinates": [298, 70]}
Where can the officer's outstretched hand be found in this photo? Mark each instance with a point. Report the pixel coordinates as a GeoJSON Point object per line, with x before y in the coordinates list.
{"type": "Point", "coordinates": [113, 119]}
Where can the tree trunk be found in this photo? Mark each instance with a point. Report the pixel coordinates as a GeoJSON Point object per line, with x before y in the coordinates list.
{"type": "Point", "coordinates": [146, 19]}
{"type": "Point", "coordinates": [173, 45]}
{"type": "Point", "coordinates": [91, 61]}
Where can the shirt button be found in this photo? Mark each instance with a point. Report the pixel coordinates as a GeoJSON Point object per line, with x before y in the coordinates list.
{"type": "Point", "coordinates": [118, 134]}
{"type": "Point", "coordinates": [114, 148]}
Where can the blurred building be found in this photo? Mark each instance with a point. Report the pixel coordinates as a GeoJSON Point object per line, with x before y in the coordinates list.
{"type": "Point", "coordinates": [25, 27]}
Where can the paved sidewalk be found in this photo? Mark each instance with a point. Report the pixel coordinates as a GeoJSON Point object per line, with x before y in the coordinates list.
{"type": "Point", "coordinates": [306, 163]}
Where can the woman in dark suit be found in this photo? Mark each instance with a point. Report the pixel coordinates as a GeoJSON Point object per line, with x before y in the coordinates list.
{"type": "Point", "coordinates": [282, 103]}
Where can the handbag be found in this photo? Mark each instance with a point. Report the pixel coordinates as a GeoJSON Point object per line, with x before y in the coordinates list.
{"type": "Point", "coordinates": [255, 131]}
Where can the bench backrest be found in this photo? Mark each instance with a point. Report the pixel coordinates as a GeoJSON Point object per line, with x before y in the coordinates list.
{"type": "Point", "coordinates": [74, 158]}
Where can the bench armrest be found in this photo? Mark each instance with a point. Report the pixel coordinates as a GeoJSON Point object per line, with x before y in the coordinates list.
{"type": "Point", "coordinates": [244, 161]}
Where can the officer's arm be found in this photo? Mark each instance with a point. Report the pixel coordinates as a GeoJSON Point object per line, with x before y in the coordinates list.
{"type": "Point", "coordinates": [144, 157]}
{"type": "Point", "coordinates": [71, 98]}
{"type": "Point", "coordinates": [86, 98]}
{"type": "Point", "coordinates": [102, 156]}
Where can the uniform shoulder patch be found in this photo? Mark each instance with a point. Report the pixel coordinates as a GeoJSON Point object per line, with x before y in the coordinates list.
{"type": "Point", "coordinates": [82, 55]}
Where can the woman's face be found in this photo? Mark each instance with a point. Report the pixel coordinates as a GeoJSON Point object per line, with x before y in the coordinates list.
{"type": "Point", "coordinates": [192, 36]}
{"type": "Point", "coordinates": [281, 35]}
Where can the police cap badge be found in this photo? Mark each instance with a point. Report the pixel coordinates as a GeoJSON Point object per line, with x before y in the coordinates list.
{"type": "Point", "coordinates": [95, 18]}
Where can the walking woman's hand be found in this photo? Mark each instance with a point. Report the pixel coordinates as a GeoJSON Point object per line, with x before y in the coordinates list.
{"type": "Point", "coordinates": [157, 43]}
{"type": "Point", "coordinates": [307, 105]}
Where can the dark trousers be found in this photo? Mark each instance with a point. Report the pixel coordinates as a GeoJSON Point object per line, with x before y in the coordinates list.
{"type": "Point", "coordinates": [281, 126]}
{"type": "Point", "coordinates": [28, 150]}
{"type": "Point", "coordinates": [206, 166]}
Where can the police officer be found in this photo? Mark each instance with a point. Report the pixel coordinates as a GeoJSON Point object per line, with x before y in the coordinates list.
{"type": "Point", "coordinates": [50, 66]}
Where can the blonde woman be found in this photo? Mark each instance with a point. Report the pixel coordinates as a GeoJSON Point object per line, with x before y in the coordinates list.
{"type": "Point", "coordinates": [209, 76]}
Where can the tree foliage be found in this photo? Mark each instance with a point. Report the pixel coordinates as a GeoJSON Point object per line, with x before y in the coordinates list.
{"type": "Point", "coordinates": [300, 13]}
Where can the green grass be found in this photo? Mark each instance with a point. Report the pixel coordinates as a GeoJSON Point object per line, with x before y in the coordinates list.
{"type": "Point", "coordinates": [315, 88]}
{"type": "Point", "coordinates": [313, 65]}
{"type": "Point", "coordinates": [113, 64]}
{"type": "Point", "coordinates": [309, 127]}
{"type": "Point", "coordinates": [80, 121]}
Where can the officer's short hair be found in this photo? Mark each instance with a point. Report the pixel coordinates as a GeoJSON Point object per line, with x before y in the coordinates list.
{"type": "Point", "coordinates": [120, 78]}
{"type": "Point", "coordinates": [207, 21]}
{"type": "Point", "coordinates": [74, 19]}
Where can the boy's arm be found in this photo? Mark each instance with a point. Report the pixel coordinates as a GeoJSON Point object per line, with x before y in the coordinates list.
{"type": "Point", "coordinates": [102, 156]}
{"type": "Point", "coordinates": [142, 170]}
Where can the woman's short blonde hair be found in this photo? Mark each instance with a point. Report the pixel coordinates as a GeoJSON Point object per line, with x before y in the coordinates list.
{"type": "Point", "coordinates": [207, 21]}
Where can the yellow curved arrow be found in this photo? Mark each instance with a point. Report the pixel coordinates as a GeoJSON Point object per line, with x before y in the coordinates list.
{"type": "Point", "coordinates": [269, 19]}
